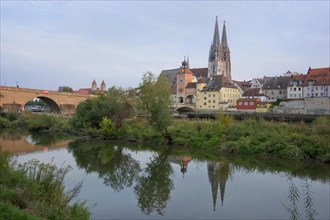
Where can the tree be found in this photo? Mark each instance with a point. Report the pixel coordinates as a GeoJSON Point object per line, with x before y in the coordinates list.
{"type": "Point", "coordinates": [121, 105]}
{"type": "Point", "coordinates": [65, 89]}
{"type": "Point", "coordinates": [116, 105]}
{"type": "Point", "coordinates": [155, 101]}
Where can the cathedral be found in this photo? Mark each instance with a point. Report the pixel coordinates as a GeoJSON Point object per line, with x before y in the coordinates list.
{"type": "Point", "coordinates": [208, 88]}
{"type": "Point", "coordinates": [219, 55]}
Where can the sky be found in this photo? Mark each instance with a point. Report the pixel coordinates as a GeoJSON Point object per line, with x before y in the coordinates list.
{"type": "Point", "coordinates": [47, 44]}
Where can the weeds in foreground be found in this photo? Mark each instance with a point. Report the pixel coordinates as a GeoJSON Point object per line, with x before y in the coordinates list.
{"type": "Point", "coordinates": [36, 190]}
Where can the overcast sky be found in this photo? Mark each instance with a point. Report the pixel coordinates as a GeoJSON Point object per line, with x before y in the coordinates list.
{"type": "Point", "coordinates": [45, 44]}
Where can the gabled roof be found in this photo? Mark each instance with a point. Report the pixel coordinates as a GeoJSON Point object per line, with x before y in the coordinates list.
{"type": "Point", "coordinates": [171, 78]}
{"type": "Point", "coordinates": [200, 73]}
{"type": "Point", "coordinates": [244, 85]}
{"type": "Point", "coordinates": [216, 83]}
{"type": "Point", "coordinates": [320, 76]}
{"type": "Point", "coordinates": [253, 92]}
{"type": "Point", "coordinates": [274, 83]}
{"type": "Point", "coordinates": [191, 85]}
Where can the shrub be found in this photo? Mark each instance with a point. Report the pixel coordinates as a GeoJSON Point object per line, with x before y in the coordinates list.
{"type": "Point", "coordinates": [5, 123]}
{"type": "Point", "coordinates": [108, 128]}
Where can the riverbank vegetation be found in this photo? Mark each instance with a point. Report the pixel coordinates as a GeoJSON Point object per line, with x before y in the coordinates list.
{"type": "Point", "coordinates": [296, 141]}
{"type": "Point", "coordinates": [143, 115]}
{"type": "Point", "coordinates": [35, 190]}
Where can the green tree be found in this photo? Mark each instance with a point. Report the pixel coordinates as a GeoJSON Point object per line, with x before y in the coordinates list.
{"type": "Point", "coordinates": [116, 105]}
{"type": "Point", "coordinates": [65, 89]}
{"type": "Point", "coordinates": [121, 104]}
{"type": "Point", "coordinates": [155, 100]}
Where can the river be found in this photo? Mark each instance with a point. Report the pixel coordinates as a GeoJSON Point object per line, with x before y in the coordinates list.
{"type": "Point", "coordinates": [124, 180]}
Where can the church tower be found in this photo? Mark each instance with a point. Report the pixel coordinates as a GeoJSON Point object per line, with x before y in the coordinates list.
{"type": "Point", "coordinates": [219, 55]}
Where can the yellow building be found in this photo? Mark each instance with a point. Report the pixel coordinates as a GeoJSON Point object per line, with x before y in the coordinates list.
{"type": "Point", "coordinates": [217, 95]}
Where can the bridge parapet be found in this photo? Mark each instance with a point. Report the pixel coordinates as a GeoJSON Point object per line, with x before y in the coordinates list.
{"type": "Point", "coordinates": [44, 91]}
{"type": "Point", "coordinates": [14, 99]}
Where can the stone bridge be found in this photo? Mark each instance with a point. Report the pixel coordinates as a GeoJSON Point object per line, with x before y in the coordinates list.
{"type": "Point", "coordinates": [65, 103]}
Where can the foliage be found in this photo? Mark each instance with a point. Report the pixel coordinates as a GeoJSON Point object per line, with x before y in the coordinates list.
{"type": "Point", "coordinates": [155, 101]}
{"type": "Point", "coordinates": [35, 122]}
{"type": "Point", "coordinates": [116, 105]}
{"type": "Point", "coordinates": [65, 89]}
{"type": "Point", "coordinates": [37, 189]}
{"type": "Point", "coordinates": [37, 101]}
{"type": "Point", "coordinates": [107, 127]}
{"type": "Point", "coordinates": [5, 123]}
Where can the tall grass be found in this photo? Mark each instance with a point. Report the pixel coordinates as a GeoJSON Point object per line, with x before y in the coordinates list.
{"type": "Point", "coordinates": [37, 189]}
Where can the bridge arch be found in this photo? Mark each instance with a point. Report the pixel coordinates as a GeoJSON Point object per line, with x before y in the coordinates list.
{"type": "Point", "coordinates": [54, 107]}
{"type": "Point", "coordinates": [184, 109]}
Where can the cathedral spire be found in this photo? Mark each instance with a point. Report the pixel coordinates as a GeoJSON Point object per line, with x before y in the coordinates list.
{"type": "Point", "coordinates": [224, 36]}
{"type": "Point", "coordinates": [216, 38]}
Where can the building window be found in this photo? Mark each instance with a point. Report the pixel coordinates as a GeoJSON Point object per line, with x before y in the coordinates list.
{"type": "Point", "coordinates": [307, 94]}
{"type": "Point", "coordinates": [180, 80]}
{"type": "Point", "coordinates": [295, 89]}
{"type": "Point", "coordinates": [240, 103]}
{"type": "Point", "coordinates": [246, 103]}
{"type": "Point", "coordinates": [213, 101]}
{"type": "Point", "coordinates": [316, 94]}
{"type": "Point", "coordinates": [204, 98]}
{"type": "Point", "coordinates": [290, 89]}
{"type": "Point", "coordinates": [295, 95]}
{"type": "Point", "coordinates": [204, 103]}
{"type": "Point", "coordinates": [299, 95]}
{"type": "Point", "coordinates": [321, 94]}
{"type": "Point", "coordinates": [299, 89]}
{"type": "Point", "coordinates": [316, 88]}
{"type": "Point", "coordinates": [213, 95]}
{"type": "Point", "coordinates": [290, 95]}
{"type": "Point", "coordinates": [209, 95]}
{"type": "Point", "coordinates": [209, 101]}
{"type": "Point", "coordinates": [252, 103]}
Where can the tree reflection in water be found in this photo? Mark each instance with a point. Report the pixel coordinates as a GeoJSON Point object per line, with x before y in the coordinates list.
{"type": "Point", "coordinates": [116, 168]}
{"type": "Point", "coordinates": [154, 187]}
{"type": "Point", "coordinates": [294, 197]}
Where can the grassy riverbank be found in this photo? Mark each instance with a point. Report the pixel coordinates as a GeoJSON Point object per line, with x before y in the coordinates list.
{"type": "Point", "coordinates": [297, 141]}
{"type": "Point", "coordinates": [35, 190]}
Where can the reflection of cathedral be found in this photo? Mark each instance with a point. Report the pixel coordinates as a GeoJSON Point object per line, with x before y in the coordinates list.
{"type": "Point", "coordinates": [183, 161]}
{"type": "Point", "coordinates": [218, 173]}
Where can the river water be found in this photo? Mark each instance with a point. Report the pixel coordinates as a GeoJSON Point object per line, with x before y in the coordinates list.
{"type": "Point", "coordinates": [124, 180]}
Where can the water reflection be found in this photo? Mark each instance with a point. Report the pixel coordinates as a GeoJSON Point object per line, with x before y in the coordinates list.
{"type": "Point", "coordinates": [155, 185]}
{"type": "Point", "coordinates": [295, 196]}
{"type": "Point", "coordinates": [117, 168]}
{"type": "Point", "coordinates": [205, 179]}
{"type": "Point", "coordinates": [218, 173]}
{"type": "Point", "coordinates": [20, 142]}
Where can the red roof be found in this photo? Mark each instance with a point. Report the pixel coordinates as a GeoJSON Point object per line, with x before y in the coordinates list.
{"type": "Point", "coordinates": [320, 76]}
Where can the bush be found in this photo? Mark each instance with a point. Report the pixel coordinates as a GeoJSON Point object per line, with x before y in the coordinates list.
{"type": "Point", "coordinates": [5, 123]}
{"type": "Point", "coordinates": [108, 128]}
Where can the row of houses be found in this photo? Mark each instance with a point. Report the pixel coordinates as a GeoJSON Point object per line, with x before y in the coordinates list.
{"type": "Point", "coordinates": [219, 93]}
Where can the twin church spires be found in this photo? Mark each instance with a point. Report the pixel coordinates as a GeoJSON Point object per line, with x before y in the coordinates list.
{"type": "Point", "coordinates": [219, 55]}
